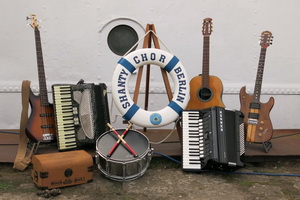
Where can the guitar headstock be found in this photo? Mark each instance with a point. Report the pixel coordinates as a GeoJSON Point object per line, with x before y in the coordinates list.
{"type": "Point", "coordinates": [266, 39]}
{"type": "Point", "coordinates": [207, 26]}
{"type": "Point", "coordinates": [34, 22]}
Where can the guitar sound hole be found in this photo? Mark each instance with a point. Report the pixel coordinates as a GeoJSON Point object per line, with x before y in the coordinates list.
{"type": "Point", "coordinates": [205, 94]}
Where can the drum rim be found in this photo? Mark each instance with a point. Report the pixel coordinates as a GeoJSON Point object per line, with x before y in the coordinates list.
{"type": "Point", "coordinates": [126, 178]}
{"type": "Point", "coordinates": [147, 157]}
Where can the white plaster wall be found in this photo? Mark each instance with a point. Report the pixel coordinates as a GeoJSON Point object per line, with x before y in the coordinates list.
{"type": "Point", "coordinates": [74, 46]}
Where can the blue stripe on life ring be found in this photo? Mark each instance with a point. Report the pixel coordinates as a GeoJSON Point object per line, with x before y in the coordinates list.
{"type": "Point", "coordinates": [132, 110]}
{"type": "Point", "coordinates": [175, 107]}
{"type": "Point", "coordinates": [125, 63]}
{"type": "Point", "coordinates": [173, 62]}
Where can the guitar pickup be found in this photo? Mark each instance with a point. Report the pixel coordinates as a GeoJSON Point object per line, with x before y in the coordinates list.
{"type": "Point", "coordinates": [255, 105]}
{"type": "Point", "coordinates": [45, 115]}
{"type": "Point", "coordinates": [47, 126]}
{"type": "Point", "coordinates": [253, 115]}
{"type": "Point", "coordinates": [252, 121]}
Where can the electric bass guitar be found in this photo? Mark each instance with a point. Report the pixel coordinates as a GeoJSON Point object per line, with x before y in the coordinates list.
{"type": "Point", "coordinates": [257, 121]}
{"type": "Point", "coordinates": [205, 90]}
{"type": "Point", "coordinates": [41, 123]}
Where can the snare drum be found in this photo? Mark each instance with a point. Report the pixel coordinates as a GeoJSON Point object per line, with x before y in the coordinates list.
{"type": "Point", "coordinates": [122, 165]}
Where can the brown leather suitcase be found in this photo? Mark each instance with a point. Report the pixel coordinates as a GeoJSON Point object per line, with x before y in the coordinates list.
{"type": "Point", "coordinates": [62, 169]}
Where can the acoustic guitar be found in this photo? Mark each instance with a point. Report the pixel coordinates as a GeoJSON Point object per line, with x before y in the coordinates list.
{"type": "Point", "coordinates": [257, 121]}
{"type": "Point", "coordinates": [41, 122]}
{"type": "Point", "coordinates": [205, 90]}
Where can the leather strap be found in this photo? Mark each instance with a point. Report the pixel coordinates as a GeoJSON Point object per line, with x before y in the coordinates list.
{"type": "Point", "coordinates": [21, 160]}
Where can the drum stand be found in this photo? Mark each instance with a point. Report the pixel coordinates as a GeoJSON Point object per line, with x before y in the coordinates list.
{"type": "Point", "coordinates": [150, 35]}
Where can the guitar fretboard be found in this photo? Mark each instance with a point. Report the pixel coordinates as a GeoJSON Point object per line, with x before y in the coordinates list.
{"type": "Point", "coordinates": [41, 71]}
{"type": "Point", "coordinates": [259, 75]}
{"type": "Point", "coordinates": [205, 62]}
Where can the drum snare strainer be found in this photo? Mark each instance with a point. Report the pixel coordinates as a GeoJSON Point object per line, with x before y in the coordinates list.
{"type": "Point", "coordinates": [122, 165]}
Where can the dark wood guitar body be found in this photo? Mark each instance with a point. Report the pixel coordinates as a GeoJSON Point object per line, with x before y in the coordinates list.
{"type": "Point", "coordinates": [41, 122]}
{"type": "Point", "coordinates": [257, 121]}
{"type": "Point", "coordinates": [261, 130]}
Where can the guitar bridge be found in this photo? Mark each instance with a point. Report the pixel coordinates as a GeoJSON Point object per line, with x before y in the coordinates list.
{"type": "Point", "coordinates": [252, 121]}
{"type": "Point", "coordinates": [48, 137]}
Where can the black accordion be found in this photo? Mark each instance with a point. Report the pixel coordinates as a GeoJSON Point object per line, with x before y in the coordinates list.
{"type": "Point", "coordinates": [212, 139]}
{"type": "Point", "coordinates": [81, 114]}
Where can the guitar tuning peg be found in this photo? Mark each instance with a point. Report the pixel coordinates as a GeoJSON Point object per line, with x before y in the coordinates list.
{"type": "Point", "coordinates": [29, 17]}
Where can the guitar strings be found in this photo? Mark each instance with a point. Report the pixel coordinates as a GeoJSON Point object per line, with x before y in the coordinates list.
{"type": "Point", "coordinates": [44, 106]}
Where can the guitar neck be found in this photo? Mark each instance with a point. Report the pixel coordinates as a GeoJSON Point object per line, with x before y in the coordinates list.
{"type": "Point", "coordinates": [41, 72]}
{"type": "Point", "coordinates": [259, 75]}
{"type": "Point", "coordinates": [205, 62]}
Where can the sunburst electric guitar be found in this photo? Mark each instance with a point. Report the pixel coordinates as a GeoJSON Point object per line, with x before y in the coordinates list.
{"type": "Point", "coordinates": [257, 121]}
{"type": "Point", "coordinates": [41, 122]}
{"type": "Point", "coordinates": [205, 90]}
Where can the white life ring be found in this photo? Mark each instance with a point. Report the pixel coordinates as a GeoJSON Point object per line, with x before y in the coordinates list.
{"type": "Point", "coordinates": [133, 113]}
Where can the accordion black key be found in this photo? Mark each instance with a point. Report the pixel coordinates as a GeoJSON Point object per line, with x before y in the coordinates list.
{"type": "Point", "coordinates": [81, 114]}
{"type": "Point", "coordinates": [212, 138]}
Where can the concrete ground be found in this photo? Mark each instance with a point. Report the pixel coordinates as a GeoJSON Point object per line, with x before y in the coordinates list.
{"type": "Point", "coordinates": [164, 179]}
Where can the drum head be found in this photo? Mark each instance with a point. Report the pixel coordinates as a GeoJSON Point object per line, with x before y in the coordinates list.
{"type": "Point", "coordinates": [136, 140]}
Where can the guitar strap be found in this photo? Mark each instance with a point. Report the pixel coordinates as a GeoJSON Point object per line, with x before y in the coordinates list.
{"type": "Point", "coordinates": [22, 160]}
